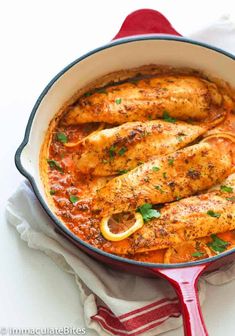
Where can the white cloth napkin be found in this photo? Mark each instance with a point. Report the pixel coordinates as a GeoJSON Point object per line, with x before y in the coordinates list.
{"type": "Point", "coordinates": [114, 302]}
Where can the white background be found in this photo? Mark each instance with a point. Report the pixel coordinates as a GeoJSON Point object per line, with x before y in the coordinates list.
{"type": "Point", "coordinates": [37, 39]}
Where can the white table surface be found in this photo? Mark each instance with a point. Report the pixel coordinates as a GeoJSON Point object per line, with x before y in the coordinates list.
{"type": "Point", "coordinates": [37, 39]}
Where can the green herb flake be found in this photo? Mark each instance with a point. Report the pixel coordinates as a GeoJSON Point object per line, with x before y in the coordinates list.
{"type": "Point", "coordinates": [52, 192]}
{"type": "Point", "coordinates": [123, 171]}
{"type": "Point", "coordinates": [227, 189]}
{"type": "Point", "coordinates": [155, 168]}
{"type": "Point", "coordinates": [87, 94]}
{"type": "Point", "coordinates": [179, 138]}
{"type": "Point", "coordinates": [54, 165]}
{"type": "Point", "coordinates": [217, 245]}
{"type": "Point", "coordinates": [164, 175]}
{"type": "Point", "coordinates": [159, 188]}
{"type": "Point", "coordinates": [170, 162]}
{"type": "Point", "coordinates": [232, 199]}
{"type": "Point", "coordinates": [73, 198]}
{"type": "Point", "coordinates": [62, 137]}
{"type": "Point", "coordinates": [213, 214]}
{"type": "Point", "coordinates": [166, 116]}
{"type": "Point", "coordinates": [197, 254]}
{"type": "Point", "coordinates": [118, 101]}
{"type": "Point", "coordinates": [122, 151]}
{"type": "Point", "coordinates": [148, 212]}
{"type": "Point", "coordinates": [112, 151]}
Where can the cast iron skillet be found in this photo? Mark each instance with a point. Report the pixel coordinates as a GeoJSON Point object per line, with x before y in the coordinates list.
{"type": "Point", "coordinates": [183, 277]}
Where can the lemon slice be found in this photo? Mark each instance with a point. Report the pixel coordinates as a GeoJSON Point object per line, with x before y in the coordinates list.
{"type": "Point", "coordinates": [105, 230]}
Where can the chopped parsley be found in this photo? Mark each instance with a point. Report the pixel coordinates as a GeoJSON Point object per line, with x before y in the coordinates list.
{"type": "Point", "coordinates": [179, 138]}
{"type": "Point", "coordinates": [73, 198]}
{"type": "Point", "coordinates": [164, 175]}
{"type": "Point", "coordinates": [62, 137]}
{"type": "Point", "coordinates": [170, 162]}
{"type": "Point", "coordinates": [166, 116]}
{"type": "Point", "coordinates": [112, 152]}
{"type": "Point", "coordinates": [118, 101]}
{"type": "Point", "coordinates": [197, 254]}
{"type": "Point", "coordinates": [213, 214]}
{"type": "Point", "coordinates": [52, 192]}
{"type": "Point", "coordinates": [122, 151]}
{"type": "Point", "coordinates": [54, 165]}
{"type": "Point", "coordinates": [231, 198]}
{"type": "Point", "coordinates": [217, 245]}
{"type": "Point", "coordinates": [159, 188]}
{"type": "Point", "coordinates": [148, 212]}
{"type": "Point", "coordinates": [227, 189]}
{"type": "Point", "coordinates": [155, 168]}
{"type": "Point", "coordinates": [87, 94]}
{"type": "Point", "coordinates": [123, 171]}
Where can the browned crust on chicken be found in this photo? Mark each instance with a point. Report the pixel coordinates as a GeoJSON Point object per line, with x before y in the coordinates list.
{"type": "Point", "coordinates": [181, 174]}
{"type": "Point", "coordinates": [122, 148]}
{"type": "Point", "coordinates": [183, 97]}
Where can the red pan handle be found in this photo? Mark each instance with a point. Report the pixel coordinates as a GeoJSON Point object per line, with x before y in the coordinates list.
{"type": "Point", "coordinates": [145, 21]}
{"type": "Point", "coordinates": [184, 280]}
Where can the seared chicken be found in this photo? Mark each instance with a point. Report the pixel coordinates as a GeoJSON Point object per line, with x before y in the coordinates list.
{"type": "Point", "coordinates": [122, 148]}
{"type": "Point", "coordinates": [165, 179]}
{"type": "Point", "coordinates": [181, 96]}
{"type": "Point", "coordinates": [188, 219]}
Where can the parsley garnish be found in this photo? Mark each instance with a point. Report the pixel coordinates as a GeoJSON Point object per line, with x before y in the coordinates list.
{"type": "Point", "coordinates": [122, 151]}
{"type": "Point", "coordinates": [227, 189]}
{"type": "Point", "coordinates": [217, 245]}
{"type": "Point", "coordinates": [73, 199]}
{"type": "Point", "coordinates": [62, 137]}
{"type": "Point", "coordinates": [55, 165]}
{"type": "Point", "coordinates": [213, 214]}
{"type": "Point", "coordinates": [147, 212]}
{"type": "Point", "coordinates": [118, 101]}
{"type": "Point", "coordinates": [52, 192]}
{"type": "Point", "coordinates": [112, 152]}
{"type": "Point", "coordinates": [155, 168]}
{"type": "Point", "coordinates": [197, 254]}
{"type": "Point", "coordinates": [164, 175]}
{"type": "Point", "coordinates": [123, 171]}
{"type": "Point", "coordinates": [166, 116]}
{"type": "Point", "coordinates": [159, 188]}
{"type": "Point", "coordinates": [87, 94]}
{"type": "Point", "coordinates": [170, 162]}
{"type": "Point", "coordinates": [179, 138]}
{"type": "Point", "coordinates": [231, 198]}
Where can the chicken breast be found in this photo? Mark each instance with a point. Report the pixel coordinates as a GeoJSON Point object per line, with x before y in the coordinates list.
{"type": "Point", "coordinates": [181, 96]}
{"type": "Point", "coordinates": [165, 179]}
{"type": "Point", "coordinates": [188, 219]}
{"type": "Point", "coordinates": [122, 148]}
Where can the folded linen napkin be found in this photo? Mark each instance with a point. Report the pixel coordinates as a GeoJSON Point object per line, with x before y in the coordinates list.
{"type": "Point", "coordinates": [114, 302]}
